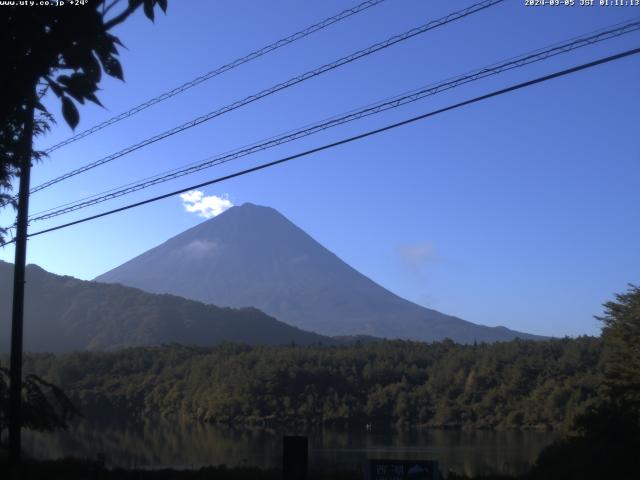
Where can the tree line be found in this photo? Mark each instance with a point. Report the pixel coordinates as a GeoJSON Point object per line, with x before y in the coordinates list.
{"type": "Point", "coordinates": [518, 384]}
{"type": "Point", "coordinates": [590, 386]}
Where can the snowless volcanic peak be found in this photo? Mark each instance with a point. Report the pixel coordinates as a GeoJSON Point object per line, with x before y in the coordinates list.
{"type": "Point", "coordinates": [254, 256]}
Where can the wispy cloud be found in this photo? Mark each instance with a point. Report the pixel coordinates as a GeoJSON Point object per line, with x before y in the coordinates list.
{"type": "Point", "coordinates": [207, 206]}
{"type": "Point", "coordinates": [417, 253]}
{"type": "Point", "coordinates": [417, 260]}
{"type": "Point", "coordinates": [198, 249]}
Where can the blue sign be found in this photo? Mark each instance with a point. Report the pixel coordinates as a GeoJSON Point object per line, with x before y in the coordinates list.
{"type": "Point", "coordinates": [402, 469]}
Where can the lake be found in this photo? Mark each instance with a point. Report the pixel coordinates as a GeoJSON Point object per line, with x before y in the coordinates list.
{"type": "Point", "coordinates": [191, 445]}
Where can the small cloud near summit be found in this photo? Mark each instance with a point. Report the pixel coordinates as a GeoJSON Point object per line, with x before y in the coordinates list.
{"type": "Point", "coordinates": [207, 206]}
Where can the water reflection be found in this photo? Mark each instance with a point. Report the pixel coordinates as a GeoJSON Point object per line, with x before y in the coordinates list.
{"type": "Point", "coordinates": [191, 445]}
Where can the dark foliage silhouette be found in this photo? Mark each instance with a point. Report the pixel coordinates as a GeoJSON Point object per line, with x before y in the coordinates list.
{"type": "Point", "coordinates": [45, 406]}
{"type": "Point", "coordinates": [606, 438]}
{"type": "Point", "coordinates": [58, 49]}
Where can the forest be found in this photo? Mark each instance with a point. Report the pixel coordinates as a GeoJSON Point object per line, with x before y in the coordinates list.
{"type": "Point", "coordinates": [586, 387]}
{"type": "Point", "coordinates": [510, 385]}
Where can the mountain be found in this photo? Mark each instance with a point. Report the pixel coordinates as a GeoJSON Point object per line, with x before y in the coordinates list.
{"type": "Point", "coordinates": [254, 256]}
{"type": "Point", "coordinates": [64, 314]}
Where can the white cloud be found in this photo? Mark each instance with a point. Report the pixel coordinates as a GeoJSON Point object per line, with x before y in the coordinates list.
{"type": "Point", "coordinates": [207, 206]}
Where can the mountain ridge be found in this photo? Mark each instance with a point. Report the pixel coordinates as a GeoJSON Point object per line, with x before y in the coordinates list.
{"type": "Point", "coordinates": [254, 255]}
{"type": "Point", "coordinates": [64, 314]}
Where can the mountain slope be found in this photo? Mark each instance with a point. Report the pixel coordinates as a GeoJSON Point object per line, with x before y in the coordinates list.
{"type": "Point", "coordinates": [64, 314]}
{"type": "Point", "coordinates": [254, 256]}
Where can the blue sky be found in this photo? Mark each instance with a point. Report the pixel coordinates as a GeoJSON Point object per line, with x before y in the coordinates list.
{"type": "Point", "coordinates": [519, 211]}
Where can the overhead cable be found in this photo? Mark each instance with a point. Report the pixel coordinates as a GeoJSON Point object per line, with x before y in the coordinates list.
{"type": "Point", "coordinates": [354, 138]}
{"type": "Point", "coordinates": [218, 71]}
{"type": "Point", "coordinates": [404, 99]}
{"type": "Point", "coordinates": [276, 88]}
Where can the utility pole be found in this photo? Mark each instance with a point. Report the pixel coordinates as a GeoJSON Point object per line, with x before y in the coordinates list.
{"type": "Point", "coordinates": [15, 389]}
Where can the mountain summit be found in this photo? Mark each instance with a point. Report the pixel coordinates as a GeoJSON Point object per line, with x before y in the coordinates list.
{"type": "Point", "coordinates": [254, 256]}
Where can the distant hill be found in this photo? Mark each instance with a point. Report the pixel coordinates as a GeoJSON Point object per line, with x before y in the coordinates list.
{"type": "Point", "coordinates": [65, 314]}
{"type": "Point", "coordinates": [253, 256]}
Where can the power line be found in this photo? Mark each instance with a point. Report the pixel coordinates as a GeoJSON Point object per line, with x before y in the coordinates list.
{"type": "Point", "coordinates": [515, 62]}
{"type": "Point", "coordinates": [495, 93]}
{"type": "Point", "coordinates": [589, 38]}
{"type": "Point", "coordinates": [412, 96]}
{"type": "Point", "coordinates": [218, 71]}
{"type": "Point", "coordinates": [276, 88]}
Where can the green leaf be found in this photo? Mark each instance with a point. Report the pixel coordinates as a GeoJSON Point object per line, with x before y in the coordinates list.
{"type": "Point", "coordinates": [163, 5]}
{"type": "Point", "coordinates": [73, 57]}
{"type": "Point", "coordinates": [115, 40]}
{"type": "Point", "coordinates": [113, 68]}
{"type": "Point", "coordinates": [106, 45]}
{"type": "Point", "coordinates": [78, 85]}
{"type": "Point", "coordinates": [70, 112]}
{"type": "Point", "coordinates": [79, 82]}
{"type": "Point", "coordinates": [94, 99]}
{"type": "Point", "coordinates": [91, 67]}
{"type": "Point", "coordinates": [79, 98]}
{"type": "Point", "coordinates": [55, 88]}
{"type": "Point", "coordinates": [148, 9]}
{"type": "Point", "coordinates": [64, 80]}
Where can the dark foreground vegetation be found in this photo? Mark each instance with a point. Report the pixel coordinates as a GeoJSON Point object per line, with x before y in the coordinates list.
{"type": "Point", "coordinates": [519, 384]}
{"type": "Point", "coordinates": [589, 386]}
{"type": "Point", "coordinates": [81, 469]}
{"type": "Point", "coordinates": [77, 469]}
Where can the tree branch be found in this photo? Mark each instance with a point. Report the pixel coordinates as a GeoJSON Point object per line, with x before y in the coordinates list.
{"type": "Point", "coordinates": [117, 20]}
{"type": "Point", "coordinates": [106, 9]}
